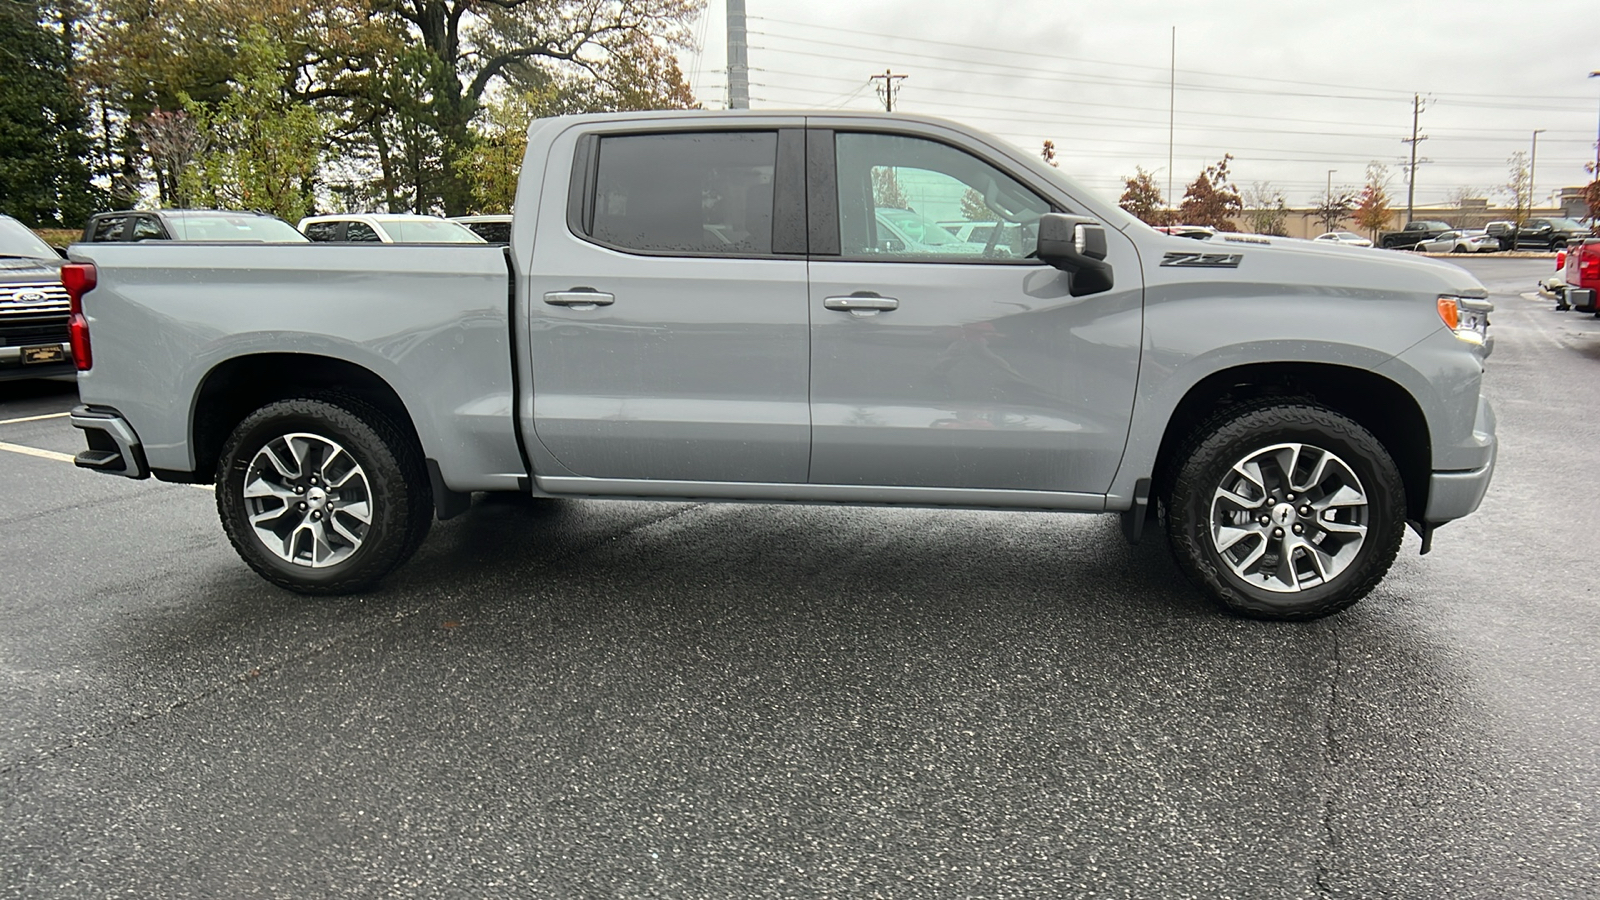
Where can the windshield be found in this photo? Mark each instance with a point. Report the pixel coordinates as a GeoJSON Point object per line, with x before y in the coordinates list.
{"type": "Point", "coordinates": [17, 240]}
{"type": "Point", "coordinates": [916, 228]}
{"type": "Point", "coordinates": [225, 227]}
{"type": "Point", "coordinates": [428, 231]}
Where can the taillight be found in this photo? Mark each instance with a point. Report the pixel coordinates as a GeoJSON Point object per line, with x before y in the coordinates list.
{"type": "Point", "coordinates": [1561, 259]}
{"type": "Point", "coordinates": [79, 279]}
{"type": "Point", "coordinates": [1588, 265]}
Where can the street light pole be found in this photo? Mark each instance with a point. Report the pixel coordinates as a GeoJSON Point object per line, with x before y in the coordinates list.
{"type": "Point", "coordinates": [1533, 160]}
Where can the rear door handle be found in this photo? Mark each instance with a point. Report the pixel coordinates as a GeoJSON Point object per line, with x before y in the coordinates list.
{"type": "Point", "coordinates": [580, 298]}
{"type": "Point", "coordinates": [862, 304]}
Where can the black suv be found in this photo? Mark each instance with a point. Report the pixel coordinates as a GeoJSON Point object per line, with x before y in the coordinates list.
{"type": "Point", "coordinates": [190, 225]}
{"type": "Point", "coordinates": [33, 306]}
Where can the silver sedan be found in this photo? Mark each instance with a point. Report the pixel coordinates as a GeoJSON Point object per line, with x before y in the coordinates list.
{"type": "Point", "coordinates": [1459, 242]}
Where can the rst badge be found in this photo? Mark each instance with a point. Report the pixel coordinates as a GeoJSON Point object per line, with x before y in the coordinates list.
{"type": "Point", "coordinates": [1202, 260]}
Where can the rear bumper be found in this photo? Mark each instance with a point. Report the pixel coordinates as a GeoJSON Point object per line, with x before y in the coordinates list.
{"type": "Point", "coordinates": [1453, 495]}
{"type": "Point", "coordinates": [114, 446]}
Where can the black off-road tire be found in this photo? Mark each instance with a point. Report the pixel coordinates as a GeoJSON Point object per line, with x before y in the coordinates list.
{"type": "Point", "coordinates": [401, 496]}
{"type": "Point", "coordinates": [1226, 438]}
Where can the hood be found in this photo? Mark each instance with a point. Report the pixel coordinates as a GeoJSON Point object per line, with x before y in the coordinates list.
{"type": "Point", "coordinates": [27, 269]}
{"type": "Point", "coordinates": [1313, 264]}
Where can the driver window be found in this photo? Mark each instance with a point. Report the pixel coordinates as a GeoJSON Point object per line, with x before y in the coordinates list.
{"type": "Point", "coordinates": [915, 200]}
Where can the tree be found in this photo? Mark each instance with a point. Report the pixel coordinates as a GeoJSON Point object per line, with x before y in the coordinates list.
{"type": "Point", "coordinates": [1459, 197]}
{"type": "Point", "coordinates": [1518, 185]}
{"type": "Point", "coordinates": [173, 141]}
{"type": "Point", "coordinates": [44, 175]}
{"type": "Point", "coordinates": [1210, 199]}
{"type": "Point", "coordinates": [263, 146]}
{"type": "Point", "coordinates": [1265, 210]}
{"type": "Point", "coordinates": [1591, 197]}
{"type": "Point", "coordinates": [1048, 152]}
{"type": "Point", "coordinates": [1372, 208]}
{"type": "Point", "coordinates": [886, 189]}
{"type": "Point", "coordinates": [973, 209]}
{"type": "Point", "coordinates": [1141, 198]}
{"type": "Point", "coordinates": [1334, 207]}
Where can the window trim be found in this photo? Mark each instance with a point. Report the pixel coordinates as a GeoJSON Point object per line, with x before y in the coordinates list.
{"type": "Point", "coordinates": [788, 186]}
{"type": "Point", "coordinates": [822, 164]}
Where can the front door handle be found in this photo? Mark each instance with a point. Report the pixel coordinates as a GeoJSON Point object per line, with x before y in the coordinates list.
{"type": "Point", "coordinates": [861, 304]}
{"type": "Point", "coordinates": [580, 298]}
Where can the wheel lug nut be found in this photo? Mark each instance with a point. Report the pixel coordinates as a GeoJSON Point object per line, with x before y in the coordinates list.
{"type": "Point", "coordinates": [1305, 510]}
{"type": "Point", "coordinates": [1299, 529]}
{"type": "Point", "coordinates": [1266, 520]}
{"type": "Point", "coordinates": [1277, 532]}
{"type": "Point", "coordinates": [1288, 497]}
{"type": "Point", "coordinates": [1271, 500]}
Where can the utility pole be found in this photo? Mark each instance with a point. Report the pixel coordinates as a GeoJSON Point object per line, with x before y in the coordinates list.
{"type": "Point", "coordinates": [1533, 159]}
{"type": "Point", "coordinates": [1411, 178]}
{"type": "Point", "coordinates": [1172, 110]}
{"type": "Point", "coordinates": [738, 58]}
{"type": "Point", "coordinates": [889, 88]}
{"type": "Point", "coordinates": [1596, 176]}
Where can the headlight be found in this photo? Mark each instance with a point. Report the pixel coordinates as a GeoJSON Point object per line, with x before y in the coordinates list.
{"type": "Point", "coordinates": [1468, 317]}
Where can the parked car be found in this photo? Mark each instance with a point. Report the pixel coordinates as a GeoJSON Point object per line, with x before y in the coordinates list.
{"type": "Point", "coordinates": [387, 228]}
{"type": "Point", "coordinates": [1290, 434]}
{"type": "Point", "coordinates": [1198, 232]}
{"type": "Point", "coordinates": [1538, 234]}
{"type": "Point", "coordinates": [34, 341]}
{"type": "Point", "coordinates": [495, 229]}
{"type": "Point", "coordinates": [135, 225]}
{"type": "Point", "coordinates": [905, 231]}
{"type": "Point", "coordinates": [1413, 234]}
{"type": "Point", "coordinates": [1347, 238]}
{"type": "Point", "coordinates": [1459, 242]}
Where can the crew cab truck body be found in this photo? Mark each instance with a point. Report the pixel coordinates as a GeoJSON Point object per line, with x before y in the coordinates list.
{"type": "Point", "coordinates": [1413, 234]}
{"type": "Point", "coordinates": [697, 306]}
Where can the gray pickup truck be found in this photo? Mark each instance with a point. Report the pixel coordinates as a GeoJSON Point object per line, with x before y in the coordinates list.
{"type": "Point", "coordinates": [705, 305]}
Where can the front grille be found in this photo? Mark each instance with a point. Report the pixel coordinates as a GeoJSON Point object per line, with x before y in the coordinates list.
{"type": "Point", "coordinates": [32, 301]}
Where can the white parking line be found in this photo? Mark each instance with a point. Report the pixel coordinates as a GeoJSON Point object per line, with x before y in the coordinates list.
{"type": "Point", "coordinates": [64, 457]}
{"type": "Point", "coordinates": [35, 451]}
{"type": "Point", "coordinates": [34, 418]}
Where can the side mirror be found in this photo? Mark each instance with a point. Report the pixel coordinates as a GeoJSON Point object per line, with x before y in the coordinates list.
{"type": "Point", "coordinates": [1077, 246]}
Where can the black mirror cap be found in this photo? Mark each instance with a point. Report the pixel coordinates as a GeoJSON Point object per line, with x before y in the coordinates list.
{"type": "Point", "coordinates": [1077, 246]}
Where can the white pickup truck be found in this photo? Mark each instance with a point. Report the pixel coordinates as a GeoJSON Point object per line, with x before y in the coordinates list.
{"type": "Point", "coordinates": [755, 307]}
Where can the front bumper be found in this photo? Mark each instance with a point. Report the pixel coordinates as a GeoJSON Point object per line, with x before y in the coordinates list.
{"type": "Point", "coordinates": [114, 446]}
{"type": "Point", "coordinates": [14, 363]}
{"type": "Point", "coordinates": [1453, 495]}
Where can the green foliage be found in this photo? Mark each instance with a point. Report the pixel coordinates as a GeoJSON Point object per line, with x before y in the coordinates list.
{"type": "Point", "coordinates": [1142, 198]}
{"type": "Point", "coordinates": [262, 146]}
{"type": "Point", "coordinates": [44, 174]}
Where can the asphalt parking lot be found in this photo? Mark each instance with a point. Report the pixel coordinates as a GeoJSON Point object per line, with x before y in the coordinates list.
{"type": "Point", "coordinates": [596, 699]}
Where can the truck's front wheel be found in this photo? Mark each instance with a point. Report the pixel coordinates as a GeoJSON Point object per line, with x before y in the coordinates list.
{"type": "Point", "coordinates": [322, 495]}
{"type": "Point", "coordinates": [1285, 511]}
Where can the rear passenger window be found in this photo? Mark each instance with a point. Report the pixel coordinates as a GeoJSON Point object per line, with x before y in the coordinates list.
{"type": "Point", "coordinates": [362, 233]}
{"type": "Point", "coordinates": [321, 231]}
{"type": "Point", "coordinates": [703, 193]}
{"type": "Point", "coordinates": [109, 228]}
{"type": "Point", "coordinates": [146, 229]}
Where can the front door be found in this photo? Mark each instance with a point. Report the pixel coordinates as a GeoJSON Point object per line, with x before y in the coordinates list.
{"type": "Point", "coordinates": [942, 355]}
{"type": "Point", "coordinates": [668, 327]}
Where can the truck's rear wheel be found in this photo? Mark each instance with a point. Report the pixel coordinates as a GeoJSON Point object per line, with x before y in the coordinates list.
{"type": "Point", "coordinates": [1285, 511]}
{"type": "Point", "coordinates": [322, 495]}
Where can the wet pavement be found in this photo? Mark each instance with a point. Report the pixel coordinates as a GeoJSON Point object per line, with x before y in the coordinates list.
{"type": "Point", "coordinates": [572, 699]}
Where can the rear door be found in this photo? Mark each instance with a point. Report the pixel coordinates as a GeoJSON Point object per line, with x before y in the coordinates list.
{"type": "Point", "coordinates": [667, 303]}
{"type": "Point", "coordinates": [938, 362]}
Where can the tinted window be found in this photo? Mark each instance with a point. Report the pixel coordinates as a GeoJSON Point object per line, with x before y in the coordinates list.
{"type": "Point", "coordinates": [893, 189]}
{"type": "Point", "coordinates": [225, 227]}
{"type": "Point", "coordinates": [321, 231]}
{"type": "Point", "coordinates": [361, 232]}
{"type": "Point", "coordinates": [146, 229]}
{"type": "Point", "coordinates": [686, 193]}
{"type": "Point", "coordinates": [428, 231]}
{"type": "Point", "coordinates": [493, 232]}
{"type": "Point", "coordinates": [108, 228]}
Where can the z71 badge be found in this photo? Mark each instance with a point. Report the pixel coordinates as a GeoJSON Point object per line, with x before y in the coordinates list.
{"type": "Point", "coordinates": [1203, 260]}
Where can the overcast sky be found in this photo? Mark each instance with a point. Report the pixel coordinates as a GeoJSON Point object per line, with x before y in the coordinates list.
{"type": "Point", "coordinates": [1291, 89]}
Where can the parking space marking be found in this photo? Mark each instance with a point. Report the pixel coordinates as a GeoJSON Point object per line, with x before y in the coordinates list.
{"type": "Point", "coordinates": [34, 418]}
{"type": "Point", "coordinates": [65, 457]}
{"type": "Point", "coordinates": [35, 451]}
